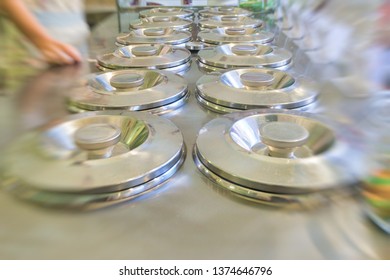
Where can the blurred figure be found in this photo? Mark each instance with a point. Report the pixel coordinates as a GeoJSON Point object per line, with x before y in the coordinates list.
{"type": "Point", "coordinates": [52, 31]}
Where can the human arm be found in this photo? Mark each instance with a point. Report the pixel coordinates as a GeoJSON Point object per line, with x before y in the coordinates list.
{"type": "Point", "coordinates": [53, 51]}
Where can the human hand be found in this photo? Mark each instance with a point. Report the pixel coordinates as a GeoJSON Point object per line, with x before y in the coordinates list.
{"type": "Point", "coordinates": [55, 52]}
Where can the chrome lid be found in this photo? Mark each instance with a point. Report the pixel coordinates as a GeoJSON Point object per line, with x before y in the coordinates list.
{"type": "Point", "coordinates": [96, 156]}
{"type": "Point", "coordinates": [219, 11]}
{"type": "Point", "coordinates": [196, 45]}
{"type": "Point", "coordinates": [263, 154]}
{"type": "Point", "coordinates": [161, 22]}
{"type": "Point", "coordinates": [245, 55]}
{"type": "Point", "coordinates": [133, 90]}
{"type": "Point", "coordinates": [167, 11]}
{"type": "Point", "coordinates": [252, 88]}
{"type": "Point", "coordinates": [151, 56]}
{"type": "Point", "coordinates": [226, 35]}
{"type": "Point", "coordinates": [229, 21]}
{"type": "Point", "coordinates": [154, 36]}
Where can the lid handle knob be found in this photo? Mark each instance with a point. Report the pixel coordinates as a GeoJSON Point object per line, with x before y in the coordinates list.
{"type": "Point", "coordinates": [229, 18]}
{"type": "Point", "coordinates": [256, 79]}
{"type": "Point", "coordinates": [161, 19]}
{"type": "Point", "coordinates": [244, 49]}
{"type": "Point", "coordinates": [97, 139]}
{"type": "Point", "coordinates": [154, 32]}
{"type": "Point", "coordinates": [283, 138]}
{"type": "Point", "coordinates": [144, 50]}
{"type": "Point", "coordinates": [235, 31]}
{"type": "Point", "coordinates": [225, 9]}
{"type": "Point", "coordinates": [126, 80]}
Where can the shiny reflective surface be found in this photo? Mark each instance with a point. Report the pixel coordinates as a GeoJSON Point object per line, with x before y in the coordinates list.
{"type": "Point", "coordinates": [220, 11]}
{"type": "Point", "coordinates": [155, 91]}
{"type": "Point", "coordinates": [154, 36]}
{"type": "Point", "coordinates": [326, 161]}
{"type": "Point", "coordinates": [167, 11]}
{"type": "Point", "coordinates": [164, 224]}
{"type": "Point", "coordinates": [229, 21]}
{"type": "Point", "coordinates": [154, 56]}
{"type": "Point", "coordinates": [48, 159]}
{"type": "Point", "coordinates": [241, 89]}
{"type": "Point", "coordinates": [196, 45]}
{"type": "Point", "coordinates": [98, 139]}
{"type": "Point", "coordinates": [219, 36]}
{"type": "Point", "coordinates": [244, 55]}
{"type": "Point", "coordinates": [283, 138]}
{"type": "Point", "coordinates": [162, 22]}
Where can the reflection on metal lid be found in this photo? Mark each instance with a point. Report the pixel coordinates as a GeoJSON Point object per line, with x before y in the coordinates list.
{"type": "Point", "coordinates": [230, 21]}
{"type": "Point", "coordinates": [219, 36]}
{"type": "Point", "coordinates": [151, 56]}
{"type": "Point", "coordinates": [126, 80]}
{"type": "Point", "coordinates": [227, 10]}
{"type": "Point", "coordinates": [252, 88]}
{"type": "Point", "coordinates": [154, 36]}
{"type": "Point", "coordinates": [161, 22]}
{"type": "Point", "coordinates": [312, 155]}
{"type": "Point", "coordinates": [52, 165]}
{"type": "Point", "coordinates": [134, 90]}
{"type": "Point", "coordinates": [245, 55]}
{"type": "Point", "coordinates": [167, 11]}
{"type": "Point", "coordinates": [196, 45]}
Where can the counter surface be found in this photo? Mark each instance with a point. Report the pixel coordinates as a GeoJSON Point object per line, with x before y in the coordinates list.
{"type": "Point", "coordinates": [189, 217]}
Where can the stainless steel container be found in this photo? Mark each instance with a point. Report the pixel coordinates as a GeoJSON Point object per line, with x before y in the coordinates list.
{"type": "Point", "coordinates": [279, 157]}
{"type": "Point", "coordinates": [252, 88]}
{"type": "Point", "coordinates": [151, 56]}
{"type": "Point", "coordinates": [155, 36]}
{"type": "Point", "coordinates": [229, 21]}
{"type": "Point", "coordinates": [93, 160]}
{"type": "Point", "coordinates": [167, 12]}
{"type": "Point", "coordinates": [221, 11]}
{"type": "Point", "coordinates": [157, 92]}
{"type": "Point", "coordinates": [162, 22]}
{"type": "Point", "coordinates": [226, 35]}
{"type": "Point", "coordinates": [228, 56]}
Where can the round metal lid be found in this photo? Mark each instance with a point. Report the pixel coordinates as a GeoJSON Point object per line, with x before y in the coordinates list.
{"type": "Point", "coordinates": [167, 11]}
{"type": "Point", "coordinates": [245, 55]}
{"type": "Point", "coordinates": [82, 155]}
{"type": "Point", "coordinates": [252, 88]}
{"type": "Point", "coordinates": [219, 36]}
{"type": "Point", "coordinates": [229, 11]}
{"type": "Point", "coordinates": [309, 154]}
{"type": "Point", "coordinates": [161, 22]}
{"type": "Point", "coordinates": [152, 56]}
{"type": "Point", "coordinates": [154, 36]}
{"type": "Point", "coordinates": [133, 90]}
{"type": "Point", "coordinates": [229, 21]}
